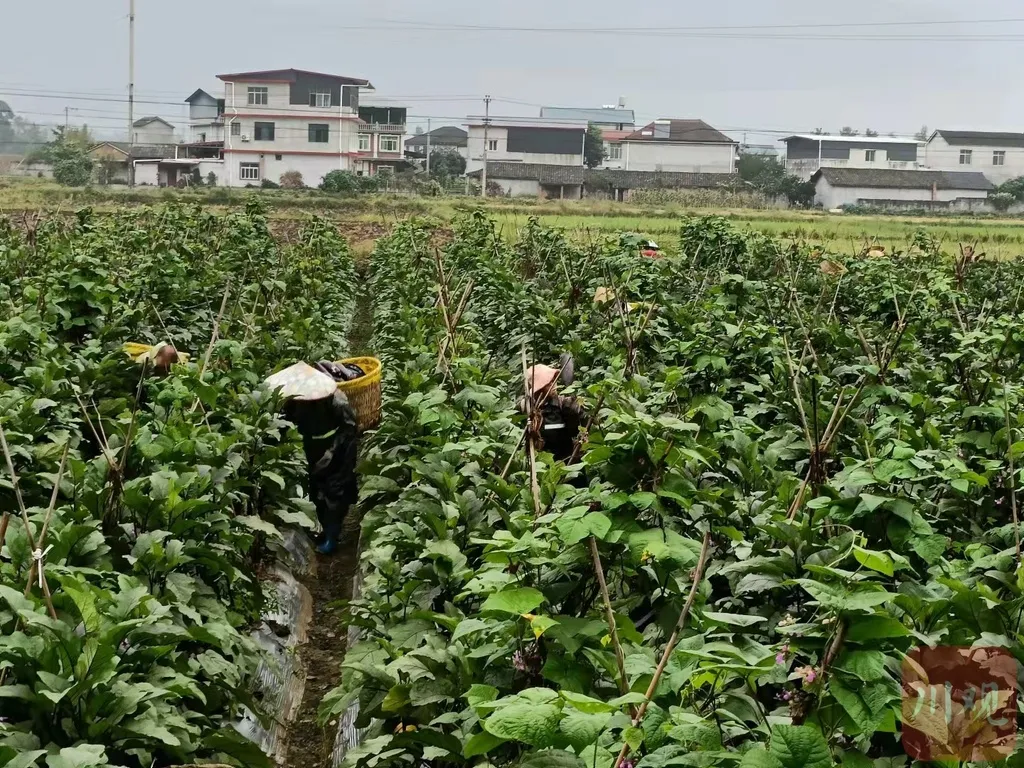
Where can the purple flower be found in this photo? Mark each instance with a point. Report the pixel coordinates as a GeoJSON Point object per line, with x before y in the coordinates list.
{"type": "Point", "coordinates": [787, 696]}
{"type": "Point", "coordinates": [519, 661]}
{"type": "Point", "coordinates": [780, 658]}
{"type": "Point", "coordinates": [628, 764]}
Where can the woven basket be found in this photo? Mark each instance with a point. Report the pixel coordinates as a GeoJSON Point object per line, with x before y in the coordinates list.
{"type": "Point", "coordinates": [364, 393]}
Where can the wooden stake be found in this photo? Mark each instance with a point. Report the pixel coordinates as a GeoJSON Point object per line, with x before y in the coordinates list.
{"type": "Point", "coordinates": [698, 576]}
{"type": "Point", "coordinates": [1013, 479]}
{"type": "Point", "coordinates": [620, 659]}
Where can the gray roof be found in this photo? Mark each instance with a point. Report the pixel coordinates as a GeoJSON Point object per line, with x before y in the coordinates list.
{"type": "Point", "coordinates": [983, 138]}
{"type": "Point", "coordinates": [889, 178]}
{"type": "Point", "coordinates": [151, 119]}
{"type": "Point", "coordinates": [600, 115]}
{"type": "Point", "coordinates": [140, 151]}
{"type": "Point", "coordinates": [199, 94]}
{"type": "Point", "coordinates": [680, 130]}
{"type": "Point", "coordinates": [290, 76]}
{"type": "Point", "coordinates": [447, 136]}
{"type": "Point", "coordinates": [545, 174]}
{"type": "Point", "coordinates": [663, 179]}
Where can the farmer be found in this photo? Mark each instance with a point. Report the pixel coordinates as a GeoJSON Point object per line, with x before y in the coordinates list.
{"type": "Point", "coordinates": [560, 417]}
{"type": "Point", "coordinates": [330, 438]}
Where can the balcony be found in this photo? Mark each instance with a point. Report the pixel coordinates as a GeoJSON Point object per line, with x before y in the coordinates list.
{"type": "Point", "coordinates": [381, 128]}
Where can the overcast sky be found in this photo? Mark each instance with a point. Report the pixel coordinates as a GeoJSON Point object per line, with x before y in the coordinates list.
{"type": "Point", "coordinates": [794, 78]}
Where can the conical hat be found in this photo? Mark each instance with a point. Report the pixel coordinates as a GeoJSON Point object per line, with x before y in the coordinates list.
{"type": "Point", "coordinates": [540, 377]}
{"type": "Point", "coordinates": [302, 382]}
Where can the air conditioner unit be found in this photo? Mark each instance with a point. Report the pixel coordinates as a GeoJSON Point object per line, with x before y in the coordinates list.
{"type": "Point", "coordinates": [245, 137]}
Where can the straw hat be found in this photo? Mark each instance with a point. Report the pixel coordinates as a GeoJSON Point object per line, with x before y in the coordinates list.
{"type": "Point", "coordinates": [302, 382]}
{"type": "Point", "coordinates": [540, 377]}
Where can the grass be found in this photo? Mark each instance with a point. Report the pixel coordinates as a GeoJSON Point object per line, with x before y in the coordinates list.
{"type": "Point", "coordinates": [999, 237]}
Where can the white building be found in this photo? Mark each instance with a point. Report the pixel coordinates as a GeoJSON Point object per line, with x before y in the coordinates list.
{"type": "Point", "coordinates": [525, 140]}
{"type": "Point", "coordinates": [1000, 156]}
{"type": "Point", "coordinates": [205, 118]}
{"type": "Point", "coordinates": [806, 153]}
{"type": "Point", "coordinates": [890, 188]}
{"type": "Point", "coordinates": [687, 146]}
{"type": "Point", "coordinates": [381, 133]}
{"type": "Point", "coordinates": [290, 120]}
{"type": "Point", "coordinates": [150, 131]}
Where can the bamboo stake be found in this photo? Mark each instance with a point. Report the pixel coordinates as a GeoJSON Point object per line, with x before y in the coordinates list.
{"type": "Point", "coordinates": [698, 576]}
{"type": "Point", "coordinates": [46, 521]}
{"type": "Point", "coordinates": [1013, 480]}
{"type": "Point", "coordinates": [530, 449]}
{"type": "Point", "coordinates": [613, 632]}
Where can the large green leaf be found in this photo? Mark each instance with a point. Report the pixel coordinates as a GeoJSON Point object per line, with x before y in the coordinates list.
{"type": "Point", "coordinates": [582, 729]}
{"type": "Point", "coordinates": [800, 746]}
{"type": "Point", "coordinates": [552, 758]}
{"type": "Point", "coordinates": [517, 601]}
{"type": "Point", "coordinates": [533, 724]}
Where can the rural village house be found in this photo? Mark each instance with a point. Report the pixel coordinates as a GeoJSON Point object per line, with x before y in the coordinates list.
{"type": "Point", "coordinates": [525, 140]}
{"type": "Point", "coordinates": [684, 146]}
{"type": "Point", "coordinates": [1000, 156]}
{"type": "Point", "coordinates": [615, 123]}
{"type": "Point", "coordinates": [448, 137]}
{"type": "Point", "coordinates": [153, 131]}
{"type": "Point", "coordinates": [892, 188]}
{"type": "Point", "coordinates": [806, 153]}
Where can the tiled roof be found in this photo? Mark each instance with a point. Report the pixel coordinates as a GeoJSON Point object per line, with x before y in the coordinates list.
{"type": "Point", "coordinates": [983, 138]}
{"type": "Point", "coordinates": [545, 174]}
{"type": "Point", "coordinates": [290, 75]}
{"type": "Point", "coordinates": [449, 136]}
{"type": "Point", "coordinates": [890, 178]}
{"type": "Point", "coordinates": [590, 115]}
{"type": "Point", "coordinates": [662, 179]}
{"type": "Point", "coordinates": [152, 119]}
{"type": "Point", "coordinates": [140, 151]}
{"type": "Point", "coordinates": [680, 130]}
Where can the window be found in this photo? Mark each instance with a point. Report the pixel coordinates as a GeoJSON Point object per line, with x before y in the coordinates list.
{"type": "Point", "coordinates": [279, 157]}
{"type": "Point", "coordinates": [364, 142]}
{"type": "Point", "coordinates": [263, 131]}
{"type": "Point", "coordinates": [388, 143]}
{"type": "Point", "coordinates": [869, 155]}
{"type": "Point", "coordinates": [236, 128]}
{"type": "Point", "coordinates": [319, 133]}
{"type": "Point", "coordinates": [320, 98]}
{"type": "Point", "coordinates": [258, 95]}
{"type": "Point", "coordinates": [614, 151]}
{"type": "Point", "coordinates": [965, 156]}
{"type": "Point", "coordinates": [999, 157]}
{"type": "Point", "coordinates": [249, 171]}
{"type": "Point", "coordinates": [202, 138]}
{"type": "Point", "coordinates": [492, 145]}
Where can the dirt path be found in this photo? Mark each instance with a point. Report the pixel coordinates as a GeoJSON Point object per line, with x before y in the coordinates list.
{"type": "Point", "coordinates": [330, 583]}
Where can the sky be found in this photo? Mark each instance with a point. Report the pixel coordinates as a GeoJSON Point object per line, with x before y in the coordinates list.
{"type": "Point", "coordinates": [754, 68]}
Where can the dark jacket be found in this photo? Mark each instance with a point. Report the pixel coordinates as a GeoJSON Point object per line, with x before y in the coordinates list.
{"type": "Point", "coordinates": [561, 419]}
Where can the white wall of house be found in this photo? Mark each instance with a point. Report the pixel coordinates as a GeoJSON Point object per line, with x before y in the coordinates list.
{"type": "Point", "coordinates": [859, 158]}
{"type": "Point", "coordinates": [829, 196]}
{"type": "Point", "coordinates": [291, 136]}
{"type": "Point", "coordinates": [208, 131]}
{"type": "Point", "coordinates": [685, 157]}
{"type": "Point", "coordinates": [940, 155]}
{"type": "Point", "coordinates": [147, 174]}
{"type": "Point", "coordinates": [518, 187]}
{"type": "Point", "coordinates": [154, 133]}
{"type": "Point", "coordinates": [497, 137]}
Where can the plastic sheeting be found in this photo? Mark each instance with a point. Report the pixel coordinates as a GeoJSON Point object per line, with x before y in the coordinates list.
{"type": "Point", "coordinates": [349, 736]}
{"type": "Point", "coordinates": [280, 678]}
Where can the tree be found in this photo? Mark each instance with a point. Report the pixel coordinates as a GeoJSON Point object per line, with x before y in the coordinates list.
{"type": "Point", "coordinates": [211, 179]}
{"type": "Point", "coordinates": [593, 147]}
{"type": "Point", "coordinates": [922, 135]}
{"type": "Point", "coordinates": [292, 180]}
{"type": "Point", "coordinates": [869, 132]}
{"type": "Point", "coordinates": [847, 131]}
{"type": "Point", "coordinates": [768, 175]}
{"type": "Point", "coordinates": [820, 132]}
{"type": "Point", "coordinates": [446, 164]}
{"type": "Point", "coordinates": [68, 153]}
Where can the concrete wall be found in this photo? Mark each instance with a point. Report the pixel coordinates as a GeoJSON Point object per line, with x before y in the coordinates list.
{"type": "Point", "coordinates": [312, 167]}
{"type": "Point", "coordinates": [154, 133]}
{"type": "Point", "coordinates": [688, 157]}
{"type": "Point", "coordinates": [147, 174]}
{"type": "Point", "coordinates": [518, 187]}
{"type": "Point", "coordinates": [828, 196]}
{"type": "Point", "coordinates": [213, 131]}
{"type": "Point", "coordinates": [475, 147]}
{"type": "Point", "coordinates": [940, 155]}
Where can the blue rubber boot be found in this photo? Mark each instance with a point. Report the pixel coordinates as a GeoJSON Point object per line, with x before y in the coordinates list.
{"type": "Point", "coordinates": [327, 546]}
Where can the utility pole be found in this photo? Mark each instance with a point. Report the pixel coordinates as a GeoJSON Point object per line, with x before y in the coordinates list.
{"type": "Point", "coordinates": [487, 122]}
{"type": "Point", "coordinates": [131, 93]}
{"type": "Point", "coordinates": [428, 146]}
{"type": "Point", "coordinates": [66, 110]}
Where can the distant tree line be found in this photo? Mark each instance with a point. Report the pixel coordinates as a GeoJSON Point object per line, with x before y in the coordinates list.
{"type": "Point", "coordinates": [17, 135]}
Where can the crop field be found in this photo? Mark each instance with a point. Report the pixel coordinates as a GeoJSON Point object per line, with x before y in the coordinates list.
{"type": "Point", "coordinates": [798, 464]}
{"type": "Point", "coordinates": [796, 470]}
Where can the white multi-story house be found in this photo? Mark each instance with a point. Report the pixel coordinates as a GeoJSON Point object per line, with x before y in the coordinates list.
{"type": "Point", "coordinates": [615, 123]}
{"type": "Point", "coordinates": [1000, 156]}
{"type": "Point", "coordinates": [290, 120]}
{"type": "Point", "coordinates": [205, 118]}
{"type": "Point", "coordinates": [525, 140]}
{"type": "Point", "coordinates": [676, 146]}
{"type": "Point", "coordinates": [152, 131]}
{"type": "Point", "coordinates": [806, 153]}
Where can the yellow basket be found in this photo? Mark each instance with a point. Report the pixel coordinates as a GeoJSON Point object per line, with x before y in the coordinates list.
{"type": "Point", "coordinates": [364, 393]}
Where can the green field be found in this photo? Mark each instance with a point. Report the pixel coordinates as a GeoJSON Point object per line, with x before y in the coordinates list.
{"type": "Point", "coordinates": [999, 237]}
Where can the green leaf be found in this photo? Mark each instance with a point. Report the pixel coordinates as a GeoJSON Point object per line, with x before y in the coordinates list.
{"type": "Point", "coordinates": [150, 729]}
{"type": "Point", "coordinates": [468, 627]}
{"type": "Point", "coordinates": [876, 561]}
{"type": "Point", "coordinates": [84, 601]}
{"type": "Point", "coordinates": [582, 729]}
{"type": "Point", "coordinates": [533, 724]}
{"type": "Point", "coordinates": [586, 703]}
{"type": "Point", "coordinates": [516, 601]}
{"type": "Point", "coordinates": [758, 757]}
{"type": "Point", "coordinates": [643, 499]}
{"type": "Point", "coordinates": [552, 758]}
{"type": "Point", "coordinates": [25, 759]}
{"type": "Point", "coordinates": [540, 624]}
{"type": "Point", "coordinates": [757, 582]}
{"type": "Point", "coordinates": [258, 524]}
{"type": "Point", "coordinates": [862, 598]}
{"type": "Point", "coordinates": [869, 666]}
{"type": "Point", "coordinates": [480, 744]}
{"type": "Point", "coordinates": [858, 710]}
{"type": "Point", "coordinates": [480, 694]}
{"type": "Point", "coordinates": [799, 746]}
{"type": "Point", "coordinates": [397, 699]}
{"type": "Point", "coordinates": [733, 619]}
{"type": "Point", "coordinates": [875, 627]}
{"type": "Point", "coordinates": [82, 756]}
{"type": "Point", "coordinates": [634, 737]}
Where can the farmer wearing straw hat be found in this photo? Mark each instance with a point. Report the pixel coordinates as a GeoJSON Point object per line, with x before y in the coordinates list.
{"type": "Point", "coordinates": [330, 438]}
{"type": "Point", "coordinates": [560, 416]}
